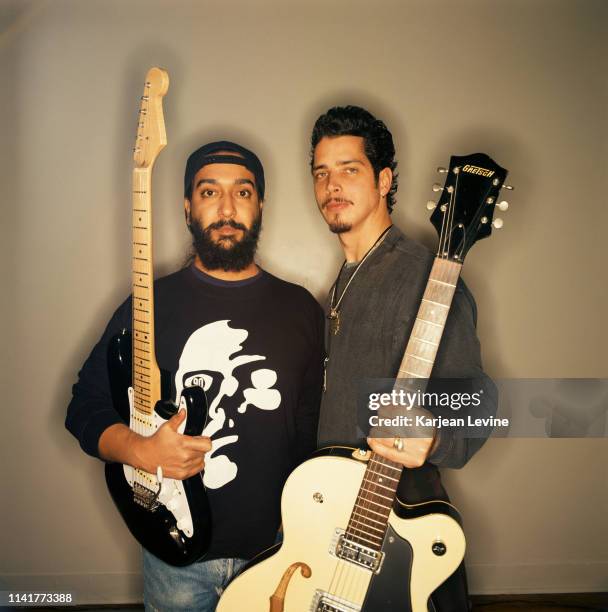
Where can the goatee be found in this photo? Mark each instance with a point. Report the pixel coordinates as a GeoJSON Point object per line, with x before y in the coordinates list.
{"type": "Point", "coordinates": [339, 227]}
{"type": "Point", "coordinates": [228, 253]}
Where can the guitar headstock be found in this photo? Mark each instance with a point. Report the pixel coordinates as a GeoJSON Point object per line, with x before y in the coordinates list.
{"type": "Point", "coordinates": [464, 213]}
{"type": "Point", "coordinates": [151, 136]}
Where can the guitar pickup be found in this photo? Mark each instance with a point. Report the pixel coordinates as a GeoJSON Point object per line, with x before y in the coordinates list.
{"type": "Point", "coordinates": [356, 553]}
{"type": "Point", "coordinates": [326, 602]}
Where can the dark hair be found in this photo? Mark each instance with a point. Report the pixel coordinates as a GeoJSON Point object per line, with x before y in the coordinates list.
{"type": "Point", "coordinates": [378, 141]}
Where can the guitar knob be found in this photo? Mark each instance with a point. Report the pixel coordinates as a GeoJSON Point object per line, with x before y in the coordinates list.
{"type": "Point", "coordinates": [437, 187]}
{"type": "Point", "coordinates": [503, 205]}
{"type": "Point", "coordinates": [497, 223]}
{"type": "Point", "coordinates": [431, 205]}
{"type": "Point", "coordinates": [442, 170]}
{"type": "Point", "coordinates": [509, 187]}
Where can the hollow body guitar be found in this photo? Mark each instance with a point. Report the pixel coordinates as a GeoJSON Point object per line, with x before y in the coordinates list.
{"type": "Point", "coordinates": [170, 518]}
{"type": "Point", "coordinates": [349, 544]}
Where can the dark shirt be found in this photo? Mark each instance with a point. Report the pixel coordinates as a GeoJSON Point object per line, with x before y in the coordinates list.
{"type": "Point", "coordinates": [377, 314]}
{"type": "Point", "coordinates": [256, 347]}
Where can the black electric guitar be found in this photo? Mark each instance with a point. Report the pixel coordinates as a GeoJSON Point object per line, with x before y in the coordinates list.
{"type": "Point", "coordinates": [170, 518]}
{"type": "Point", "coordinates": [349, 544]}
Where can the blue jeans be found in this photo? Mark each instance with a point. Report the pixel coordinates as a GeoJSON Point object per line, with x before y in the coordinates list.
{"type": "Point", "coordinates": [194, 588]}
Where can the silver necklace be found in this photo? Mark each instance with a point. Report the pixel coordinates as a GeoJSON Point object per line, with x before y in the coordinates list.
{"type": "Point", "coordinates": [334, 309]}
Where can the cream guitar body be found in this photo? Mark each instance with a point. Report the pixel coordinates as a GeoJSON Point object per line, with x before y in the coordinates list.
{"type": "Point", "coordinates": [318, 569]}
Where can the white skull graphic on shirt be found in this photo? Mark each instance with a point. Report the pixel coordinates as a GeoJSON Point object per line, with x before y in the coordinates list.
{"type": "Point", "coordinates": [209, 359]}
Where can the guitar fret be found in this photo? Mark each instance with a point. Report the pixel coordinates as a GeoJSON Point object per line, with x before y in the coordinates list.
{"type": "Point", "coordinates": [141, 259]}
{"type": "Point", "coordinates": [141, 243]}
{"type": "Point", "coordinates": [436, 303]}
{"type": "Point", "coordinates": [361, 501]}
{"type": "Point", "coordinates": [425, 341]}
{"type": "Point", "coordinates": [371, 535]}
{"type": "Point", "coordinates": [383, 475]}
{"type": "Point", "coordinates": [368, 518]}
{"type": "Point", "coordinates": [420, 358]}
{"type": "Point", "coordinates": [412, 375]}
{"type": "Point", "coordinates": [429, 322]}
{"type": "Point", "coordinates": [141, 310]}
{"type": "Point", "coordinates": [374, 493]}
{"type": "Point", "coordinates": [390, 467]}
{"type": "Point", "coordinates": [377, 484]}
{"type": "Point", "coordinates": [384, 516]}
{"type": "Point", "coordinates": [140, 227]}
{"type": "Point", "coordinates": [352, 520]}
{"type": "Point", "coordinates": [141, 287]}
{"type": "Point", "coordinates": [434, 280]}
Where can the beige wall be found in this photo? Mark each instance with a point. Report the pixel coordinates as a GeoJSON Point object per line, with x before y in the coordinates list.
{"type": "Point", "coordinates": [523, 80]}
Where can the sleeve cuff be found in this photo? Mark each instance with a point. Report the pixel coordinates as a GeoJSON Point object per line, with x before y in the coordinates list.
{"type": "Point", "coordinates": [444, 443]}
{"type": "Point", "coordinates": [89, 440]}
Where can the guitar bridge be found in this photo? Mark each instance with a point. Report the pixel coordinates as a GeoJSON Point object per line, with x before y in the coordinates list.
{"type": "Point", "coordinates": [326, 602]}
{"type": "Point", "coordinates": [145, 497]}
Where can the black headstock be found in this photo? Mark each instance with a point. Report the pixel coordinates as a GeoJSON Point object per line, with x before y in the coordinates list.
{"type": "Point", "coordinates": [464, 213]}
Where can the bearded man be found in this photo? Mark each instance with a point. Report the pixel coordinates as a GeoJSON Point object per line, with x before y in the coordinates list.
{"type": "Point", "coordinates": [254, 343]}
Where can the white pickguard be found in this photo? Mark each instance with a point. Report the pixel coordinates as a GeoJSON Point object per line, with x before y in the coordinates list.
{"type": "Point", "coordinates": [172, 495]}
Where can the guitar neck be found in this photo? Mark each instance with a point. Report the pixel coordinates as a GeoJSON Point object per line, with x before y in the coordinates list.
{"type": "Point", "coordinates": [146, 375]}
{"type": "Point", "coordinates": [374, 502]}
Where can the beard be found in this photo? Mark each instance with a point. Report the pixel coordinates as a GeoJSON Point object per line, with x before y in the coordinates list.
{"type": "Point", "coordinates": [336, 225]}
{"type": "Point", "coordinates": [227, 253]}
{"type": "Point", "coordinates": [339, 227]}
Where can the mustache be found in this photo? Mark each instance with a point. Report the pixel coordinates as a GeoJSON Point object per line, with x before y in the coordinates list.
{"type": "Point", "coordinates": [336, 200]}
{"type": "Point", "coordinates": [230, 223]}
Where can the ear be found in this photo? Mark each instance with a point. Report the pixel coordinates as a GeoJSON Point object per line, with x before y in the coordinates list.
{"type": "Point", "coordinates": [187, 211]}
{"type": "Point", "coordinates": [385, 180]}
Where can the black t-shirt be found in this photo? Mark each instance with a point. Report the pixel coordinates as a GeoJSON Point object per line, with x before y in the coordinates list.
{"type": "Point", "coordinates": [256, 347]}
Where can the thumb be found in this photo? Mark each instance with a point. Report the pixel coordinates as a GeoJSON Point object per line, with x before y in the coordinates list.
{"type": "Point", "coordinates": [176, 420]}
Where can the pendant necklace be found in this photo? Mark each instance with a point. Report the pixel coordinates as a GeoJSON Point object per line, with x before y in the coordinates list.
{"type": "Point", "coordinates": [334, 309]}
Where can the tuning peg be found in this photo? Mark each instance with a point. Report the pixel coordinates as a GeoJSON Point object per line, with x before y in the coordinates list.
{"type": "Point", "coordinates": [509, 187]}
{"type": "Point", "coordinates": [437, 187]}
{"type": "Point", "coordinates": [442, 170]}
{"type": "Point", "coordinates": [503, 205]}
{"type": "Point", "coordinates": [484, 220]}
{"type": "Point", "coordinates": [490, 200]}
{"type": "Point", "coordinates": [497, 223]}
{"type": "Point", "coordinates": [431, 205]}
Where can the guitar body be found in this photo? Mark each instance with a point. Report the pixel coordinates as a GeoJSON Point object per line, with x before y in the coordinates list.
{"type": "Point", "coordinates": [178, 528]}
{"type": "Point", "coordinates": [317, 502]}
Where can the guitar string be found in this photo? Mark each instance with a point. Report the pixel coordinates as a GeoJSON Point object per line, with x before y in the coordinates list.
{"type": "Point", "coordinates": [346, 580]}
{"type": "Point", "coordinates": [451, 214]}
{"type": "Point", "coordinates": [349, 582]}
{"type": "Point", "coordinates": [352, 581]}
{"type": "Point", "coordinates": [343, 575]}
